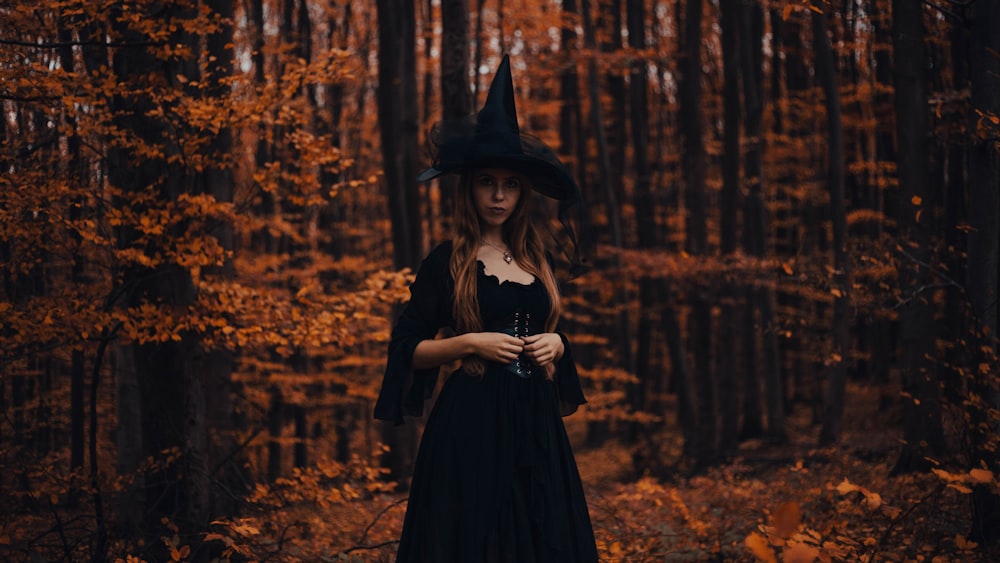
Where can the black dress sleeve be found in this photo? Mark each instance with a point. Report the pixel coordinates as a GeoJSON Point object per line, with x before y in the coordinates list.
{"type": "Point", "coordinates": [567, 381]}
{"type": "Point", "coordinates": [566, 378]}
{"type": "Point", "coordinates": [405, 389]}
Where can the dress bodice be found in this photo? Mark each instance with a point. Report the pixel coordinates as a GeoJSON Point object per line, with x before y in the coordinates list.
{"type": "Point", "coordinates": [513, 308]}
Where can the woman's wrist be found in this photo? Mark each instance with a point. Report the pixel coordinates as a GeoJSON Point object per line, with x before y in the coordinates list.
{"type": "Point", "coordinates": [467, 345]}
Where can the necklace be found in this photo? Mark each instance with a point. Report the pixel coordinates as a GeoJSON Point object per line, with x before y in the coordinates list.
{"type": "Point", "coordinates": [506, 254]}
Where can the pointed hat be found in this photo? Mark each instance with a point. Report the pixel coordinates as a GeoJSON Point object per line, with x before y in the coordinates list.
{"type": "Point", "coordinates": [492, 139]}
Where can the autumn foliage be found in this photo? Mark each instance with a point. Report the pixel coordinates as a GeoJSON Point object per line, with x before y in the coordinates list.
{"type": "Point", "coordinates": [787, 329]}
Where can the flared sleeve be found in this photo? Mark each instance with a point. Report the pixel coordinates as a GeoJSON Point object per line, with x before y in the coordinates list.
{"type": "Point", "coordinates": [567, 380]}
{"type": "Point", "coordinates": [404, 389]}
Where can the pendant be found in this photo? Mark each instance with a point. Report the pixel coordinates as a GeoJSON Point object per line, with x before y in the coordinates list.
{"type": "Point", "coordinates": [507, 257]}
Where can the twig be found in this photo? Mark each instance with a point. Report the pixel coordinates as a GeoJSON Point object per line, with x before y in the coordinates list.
{"type": "Point", "coordinates": [364, 535]}
{"type": "Point", "coordinates": [61, 44]}
{"type": "Point", "coordinates": [926, 287]}
{"type": "Point", "coordinates": [903, 516]}
{"type": "Point", "coordinates": [950, 13]}
{"type": "Point", "coordinates": [368, 547]}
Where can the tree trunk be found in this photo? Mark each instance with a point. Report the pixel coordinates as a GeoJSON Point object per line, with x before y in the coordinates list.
{"type": "Point", "coordinates": [609, 30]}
{"type": "Point", "coordinates": [729, 341]}
{"type": "Point", "coordinates": [758, 317]}
{"type": "Point", "coordinates": [77, 379]}
{"type": "Point", "coordinates": [683, 380]}
{"type": "Point", "coordinates": [170, 377]}
{"type": "Point", "coordinates": [456, 99]}
{"type": "Point", "coordinates": [645, 210]}
{"type": "Point", "coordinates": [922, 429]}
{"type": "Point", "coordinates": [398, 127]}
{"type": "Point", "coordinates": [275, 426]}
{"type": "Point", "coordinates": [226, 465]}
{"type": "Point", "coordinates": [696, 235]}
{"type": "Point", "coordinates": [883, 347]}
{"type": "Point", "coordinates": [570, 120]}
{"type": "Point", "coordinates": [826, 72]}
{"type": "Point", "coordinates": [622, 341]}
{"type": "Point", "coordinates": [398, 130]}
{"type": "Point", "coordinates": [983, 268]}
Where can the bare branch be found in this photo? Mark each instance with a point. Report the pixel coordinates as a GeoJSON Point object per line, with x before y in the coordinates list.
{"type": "Point", "coordinates": [61, 44]}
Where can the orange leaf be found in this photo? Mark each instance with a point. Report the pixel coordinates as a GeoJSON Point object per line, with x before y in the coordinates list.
{"type": "Point", "coordinates": [799, 553]}
{"type": "Point", "coordinates": [846, 487]}
{"type": "Point", "coordinates": [981, 475]}
{"type": "Point", "coordinates": [787, 518]}
{"type": "Point", "coordinates": [758, 546]}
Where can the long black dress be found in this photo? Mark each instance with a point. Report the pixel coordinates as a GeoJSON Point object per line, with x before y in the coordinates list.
{"type": "Point", "coordinates": [495, 480]}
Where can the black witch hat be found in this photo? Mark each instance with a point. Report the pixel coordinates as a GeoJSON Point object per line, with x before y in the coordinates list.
{"type": "Point", "coordinates": [492, 139]}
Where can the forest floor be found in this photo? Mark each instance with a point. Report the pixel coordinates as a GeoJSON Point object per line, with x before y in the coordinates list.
{"type": "Point", "coordinates": [792, 502]}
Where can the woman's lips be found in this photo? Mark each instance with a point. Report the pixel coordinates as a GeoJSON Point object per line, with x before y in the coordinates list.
{"type": "Point", "coordinates": [498, 210]}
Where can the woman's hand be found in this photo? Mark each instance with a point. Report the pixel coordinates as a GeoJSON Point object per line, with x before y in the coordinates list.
{"type": "Point", "coordinates": [496, 346]}
{"type": "Point", "coordinates": [543, 349]}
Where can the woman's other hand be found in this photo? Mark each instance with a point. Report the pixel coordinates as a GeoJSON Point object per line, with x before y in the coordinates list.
{"type": "Point", "coordinates": [496, 346]}
{"type": "Point", "coordinates": [543, 349]}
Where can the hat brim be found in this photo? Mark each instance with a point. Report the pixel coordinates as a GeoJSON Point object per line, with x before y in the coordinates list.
{"type": "Point", "coordinates": [430, 174]}
{"type": "Point", "coordinates": [545, 173]}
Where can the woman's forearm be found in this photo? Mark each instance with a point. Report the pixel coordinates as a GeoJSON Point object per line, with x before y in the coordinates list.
{"type": "Point", "coordinates": [433, 353]}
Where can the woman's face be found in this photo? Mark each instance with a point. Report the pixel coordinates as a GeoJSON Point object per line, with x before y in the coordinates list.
{"type": "Point", "coordinates": [495, 193]}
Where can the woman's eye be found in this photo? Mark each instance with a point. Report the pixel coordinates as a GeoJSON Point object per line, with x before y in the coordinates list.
{"type": "Point", "coordinates": [513, 183]}
{"type": "Point", "coordinates": [485, 181]}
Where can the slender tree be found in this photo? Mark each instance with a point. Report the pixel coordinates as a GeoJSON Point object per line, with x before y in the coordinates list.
{"type": "Point", "coordinates": [729, 323]}
{"type": "Point", "coordinates": [623, 333]}
{"type": "Point", "coordinates": [983, 266]}
{"type": "Point", "coordinates": [696, 234]}
{"type": "Point", "coordinates": [398, 131]}
{"type": "Point", "coordinates": [836, 387]}
{"type": "Point", "coordinates": [922, 431]}
{"type": "Point", "coordinates": [456, 98]}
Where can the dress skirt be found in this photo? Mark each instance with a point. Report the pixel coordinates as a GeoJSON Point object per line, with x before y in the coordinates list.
{"type": "Point", "coordinates": [495, 480]}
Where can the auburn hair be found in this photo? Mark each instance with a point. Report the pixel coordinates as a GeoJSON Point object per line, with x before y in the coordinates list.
{"type": "Point", "coordinates": [525, 246]}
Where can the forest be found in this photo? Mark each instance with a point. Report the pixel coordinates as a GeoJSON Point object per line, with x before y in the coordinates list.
{"type": "Point", "coordinates": [781, 292]}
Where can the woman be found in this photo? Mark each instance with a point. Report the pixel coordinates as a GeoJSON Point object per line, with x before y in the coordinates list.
{"type": "Point", "coordinates": [495, 479]}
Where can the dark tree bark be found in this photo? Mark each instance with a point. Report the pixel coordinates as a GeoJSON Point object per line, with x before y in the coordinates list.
{"type": "Point", "coordinates": [882, 346]}
{"type": "Point", "coordinates": [730, 341]}
{"type": "Point", "coordinates": [398, 127]}
{"type": "Point", "coordinates": [456, 98]}
{"type": "Point", "coordinates": [650, 290]}
{"type": "Point", "coordinates": [760, 354]}
{"type": "Point", "coordinates": [226, 464]}
{"type": "Point", "coordinates": [696, 235]}
{"type": "Point", "coordinates": [275, 423]}
{"type": "Point", "coordinates": [478, 42]}
{"type": "Point", "coordinates": [622, 340]}
{"type": "Point", "coordinates": [796, 221]}
{"type": "Point", "coordinates": [398, 130]}
{"type": "Point", "coordinates": [76, 171]}
{"type": "Point", "coordinates": [922, 430]}
{"type": "Point", "coordinates": [609, 31]}
{"type": "Point", "coordinates": [264, 151]}
{"type": "Point", "coordinates": [729, 24]}
{"type": "Point", "coordinates": [570, 114]}
{"type": "Point", "coordinates": [427, 34]}
{"type": "Point", "coordinates": [172, 394]}
{"type": "Point", "coordinates": [983, 267]}
{"type": "Point", "coordinates": [826, 73]}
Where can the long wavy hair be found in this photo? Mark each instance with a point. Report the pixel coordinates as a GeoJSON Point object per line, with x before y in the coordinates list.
{"type": "Point", "coordinates": [525, 246]}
